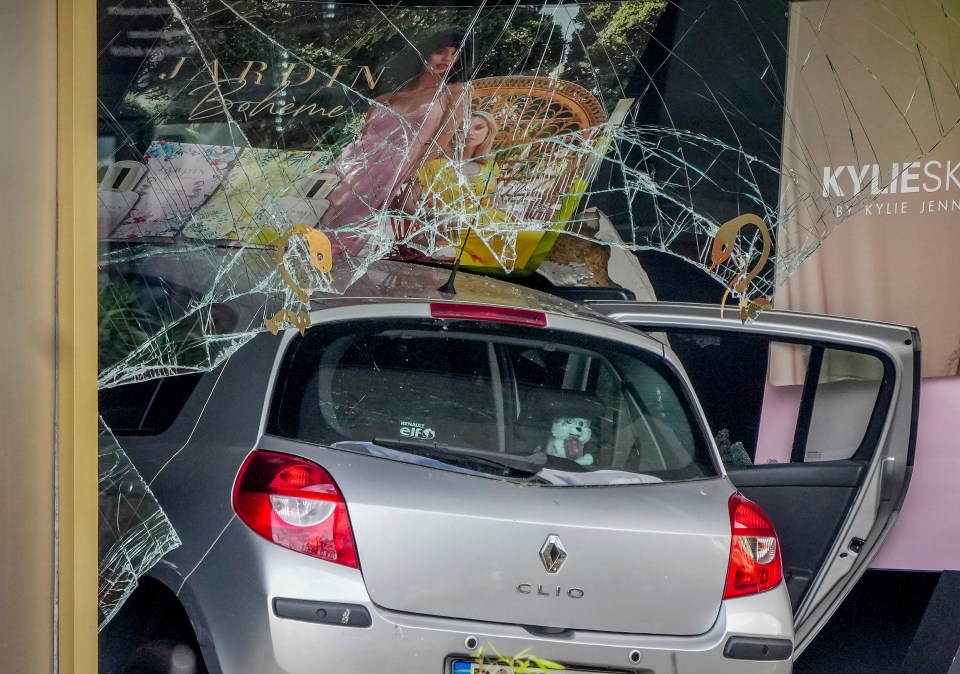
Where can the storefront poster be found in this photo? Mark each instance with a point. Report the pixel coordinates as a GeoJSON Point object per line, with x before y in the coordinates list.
{"type": "Point", "coordinates": [434, 134]}
{"type": "Point", "coordinates": [873, 158]}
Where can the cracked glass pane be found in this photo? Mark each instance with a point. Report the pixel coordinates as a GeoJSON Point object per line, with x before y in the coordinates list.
{"type": "Point", "coordinates": [253, 153]}
{"type": "Point", "coordinates": [134, 531]}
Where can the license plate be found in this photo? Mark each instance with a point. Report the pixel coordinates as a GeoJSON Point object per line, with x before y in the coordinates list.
{"type": "Point", "coordinates": [462, 667]}
{"type": "Point", "coordinates": [466, 667]}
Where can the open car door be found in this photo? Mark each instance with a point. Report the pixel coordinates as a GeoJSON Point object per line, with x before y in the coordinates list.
{"type": "Point", "coordinates": [815, 417]}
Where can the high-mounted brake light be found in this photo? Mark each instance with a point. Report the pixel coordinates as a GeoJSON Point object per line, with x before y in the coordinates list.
{"type": "Point", "coordinates": [754, 551]}
{"type": "Point", "coordinates": [476, 312]}
{"type": "Point", "coordinates": [296, 504]}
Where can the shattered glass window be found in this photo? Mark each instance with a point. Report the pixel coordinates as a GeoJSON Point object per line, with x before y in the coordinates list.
{"type": "Point", "coordinates": [134, 531]}
{"type": "Point", "coordinates": [251, 154]}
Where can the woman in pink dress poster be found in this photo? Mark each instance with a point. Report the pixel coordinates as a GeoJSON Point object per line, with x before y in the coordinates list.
{"type": "Point", "coordinates": [402, 129]}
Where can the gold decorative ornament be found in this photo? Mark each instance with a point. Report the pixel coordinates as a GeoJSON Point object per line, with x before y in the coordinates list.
{"type": "Point", "coordinates": [721, 251]}
{"type": "Point", "coordinates": [321, 257]}
{"type": "Point", "coordinates": [300, 320]}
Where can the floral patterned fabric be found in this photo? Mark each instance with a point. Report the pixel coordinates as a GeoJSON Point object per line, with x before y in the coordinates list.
{"type": "Point", "coordinates": [180, 177]}
{"type": "Point", "coordinates": [258, 198]}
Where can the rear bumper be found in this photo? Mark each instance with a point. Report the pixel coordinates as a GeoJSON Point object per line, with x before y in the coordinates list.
{"type": "Point", "coordinates": [247, 634]}
{"type": "Point", "coordinates": [408, 644]}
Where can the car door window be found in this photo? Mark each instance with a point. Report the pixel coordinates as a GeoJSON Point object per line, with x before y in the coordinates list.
{"type": "Point", "coordinates": [771, 401]}
{"type": "Point", "coordinates": [848, 387]}
{"type": "Point", "coordinates": [819, 403]}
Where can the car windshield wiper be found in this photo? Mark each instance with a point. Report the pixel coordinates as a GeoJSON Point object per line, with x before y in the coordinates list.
{"type": "Point", "coordinates": [518, 466]}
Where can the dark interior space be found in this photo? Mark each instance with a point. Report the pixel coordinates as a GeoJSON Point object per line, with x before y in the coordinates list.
{"type": "Point", "coordinates": [882, 612]}
{"type": "Point", "coordinates": [716, 69]}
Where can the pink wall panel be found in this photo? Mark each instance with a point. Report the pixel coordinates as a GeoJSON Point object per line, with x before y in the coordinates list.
{"type": "Point", "coordinates": [926, 536]}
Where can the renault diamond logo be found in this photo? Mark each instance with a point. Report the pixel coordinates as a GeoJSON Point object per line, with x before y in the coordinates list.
{"type": "Point", "coordinates": [552, 554]}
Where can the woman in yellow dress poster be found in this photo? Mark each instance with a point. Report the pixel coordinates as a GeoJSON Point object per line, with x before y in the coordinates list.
{"type": "Point", "coordinates": [458, 197]}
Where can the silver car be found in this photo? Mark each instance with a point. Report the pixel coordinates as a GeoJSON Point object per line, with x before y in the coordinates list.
{"type": "Point", "coordinates": [423, 481]}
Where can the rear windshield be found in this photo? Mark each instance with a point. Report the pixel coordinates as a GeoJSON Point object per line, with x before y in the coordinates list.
{"type": "Point", "coordinates": [542, 405]}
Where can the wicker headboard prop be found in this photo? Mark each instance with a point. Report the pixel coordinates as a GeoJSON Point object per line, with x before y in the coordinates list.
{"type": "Point", "coordinates": [529, 109]}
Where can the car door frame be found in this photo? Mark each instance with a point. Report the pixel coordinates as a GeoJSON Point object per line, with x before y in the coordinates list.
{"type": "Point", "coordinates": [881, 493]}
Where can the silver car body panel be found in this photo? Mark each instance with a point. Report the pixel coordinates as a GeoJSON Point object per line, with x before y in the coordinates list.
{"type": "Point", "coordinates": [250, 637]}
{"type": "Point", "coordinates": [642, 559]}
{"type": "Point", "coordinates": [673, 538]}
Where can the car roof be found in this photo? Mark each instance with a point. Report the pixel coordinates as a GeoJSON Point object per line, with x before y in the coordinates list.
{"type": "Point", "coordinates": [390, 281]}
{"type": "Point", "coordinates": [238, 275]}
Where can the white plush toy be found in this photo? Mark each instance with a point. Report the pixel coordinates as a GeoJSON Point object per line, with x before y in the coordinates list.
{"type": "Point", "coordinates": [568, 437]}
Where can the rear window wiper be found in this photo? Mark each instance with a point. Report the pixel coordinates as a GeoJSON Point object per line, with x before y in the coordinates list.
{"type": "Point", "coordinates": [517, 466]}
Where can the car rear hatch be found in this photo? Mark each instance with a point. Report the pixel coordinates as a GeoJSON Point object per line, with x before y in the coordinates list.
{"type": "Point", "coordinates": [638, 558]}
{"type": "Point", "coordinates": [451, 442]}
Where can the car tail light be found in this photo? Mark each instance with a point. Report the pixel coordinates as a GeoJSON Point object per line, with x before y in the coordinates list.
{"type": "Point", "coordinates": [295, 503]}
{"type": "Point", "coordinates": [475, 312]}
{"type": "Point", "coordinates": [754, 550]}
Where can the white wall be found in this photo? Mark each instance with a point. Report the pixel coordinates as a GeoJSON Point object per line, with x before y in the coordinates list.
{"type": "Point", "coordinates": [27, 348]}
